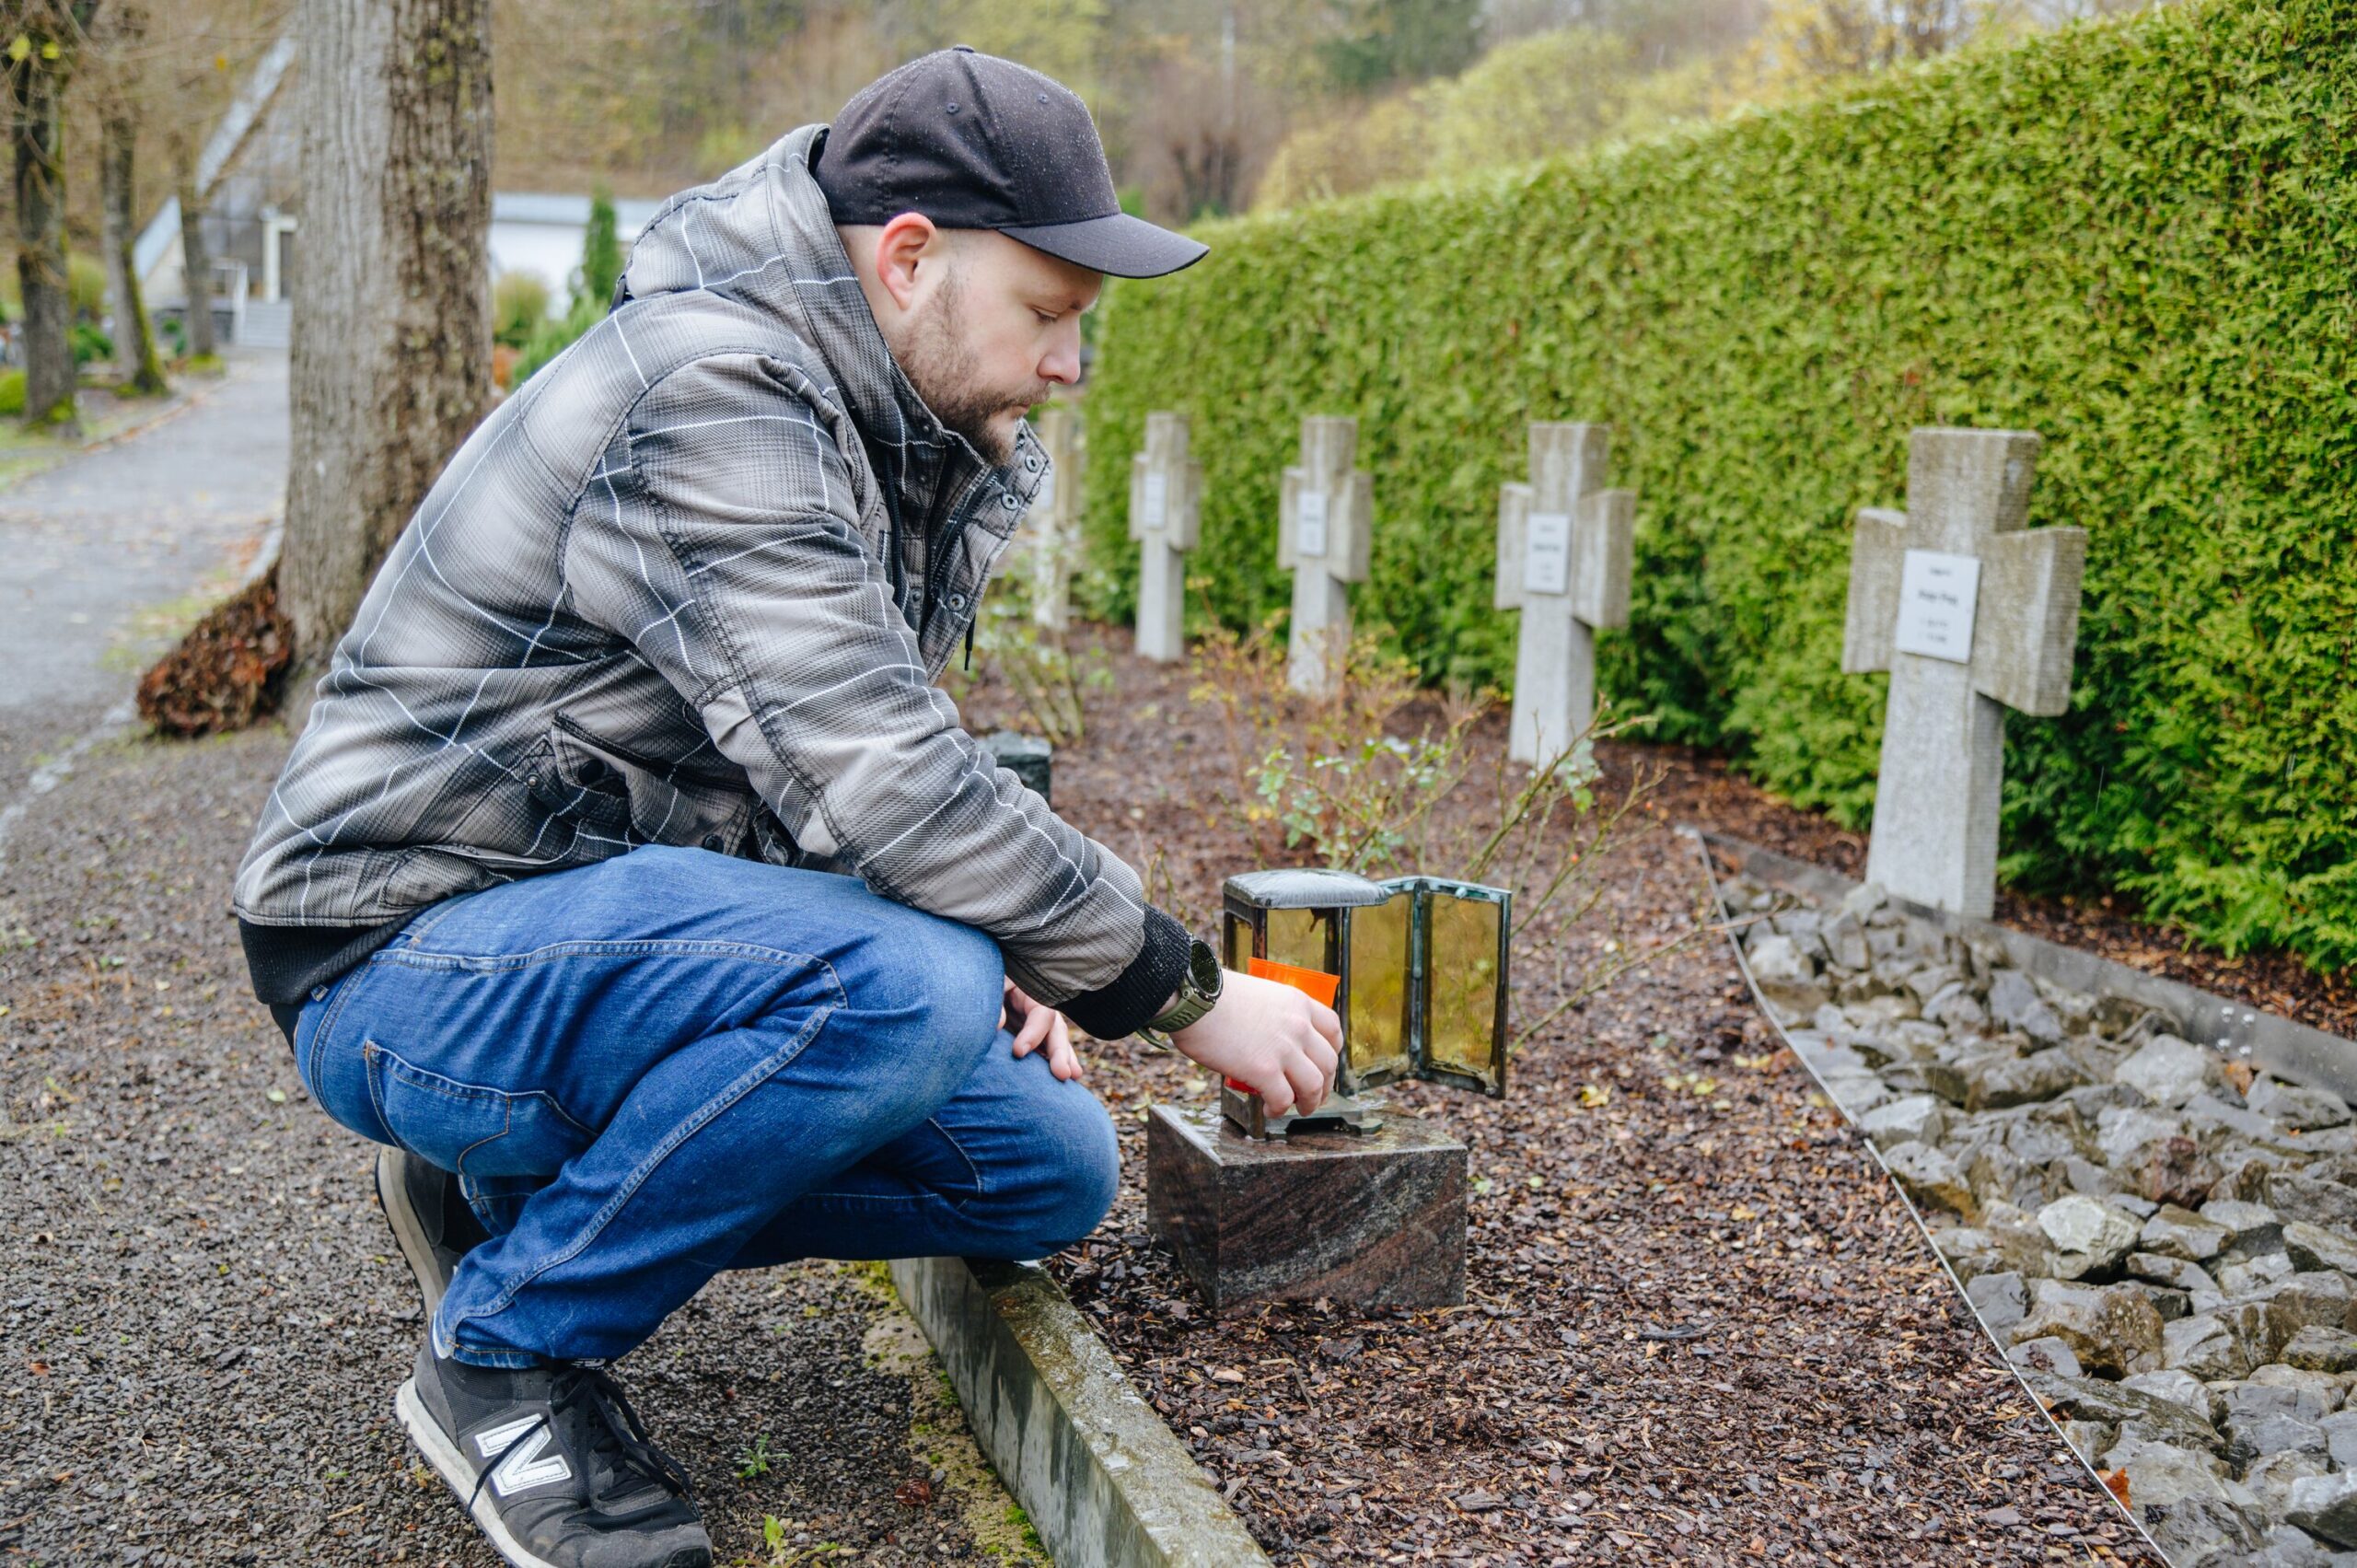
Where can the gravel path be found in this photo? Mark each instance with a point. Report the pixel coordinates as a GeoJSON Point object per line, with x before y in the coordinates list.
{"type": "Point", "coordinates": [203, 1318]}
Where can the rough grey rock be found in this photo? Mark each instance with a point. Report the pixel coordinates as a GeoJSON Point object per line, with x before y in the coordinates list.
{"type": "Point", "coordinates": [2253, 1230]}
{"type": "Point", "coordinates": [2048, 1353]}
{"type": "Point", "coordinates": [2296, 1106]}
{"type": "Point", "coordinates": [2314, 1395]}
{"type": "Point", "coordinates": [1991, 1080]}
{"type": "Point", "coordinates": [2341, 1437]}
{"type": "Point", "coordinates": [2320, 1350]}
{"type": "Point", "coordinates": [2326, 1505]}
{"type": "Point", "coordinates": [2313, 1195]}
{"type": "Point", "coordinates": [2272, 1432]}
{"type": "Point", "coordinates": [2002, 1299]}
{"type": "Point", "coordinates": [1856, 1093]}
{"type": "Point", "coordinates": [1862, 901]}
{"type": "Point", "coordinates": [1919, 1119]}
{"type": "Point", "coordinates": [2285, 1546]}
{"type": "Point", "coordinates": [2168, 1070]}
{"type": "Point", "coordinates": [2014, 1002]}
{"type": "Point", "coordinates": [2254, 1275]}
{"type": "Point", "coordinates": [2175, 1386]}
{"type": "Point", "coordinates": [2186, 1498]}
{"type": "Point", "coordinates": [2318, 1298]}
{"type": "Point", "coordinates": [1954, 1007]}
{"type": "Point", "coordinates": [1845, 940]}
{"type": "Point", "coordinates": [2019, 1242]}
{"type": "Point", "coordinates": [2179, 1233]}
{"type": "Point", "coordinates": [2111, 1328]}
{"type": "Point", "coordinates": [2154, 1420]}
{"type": "Point", "coordinates": [1930, 1177]}
{"type": "Point", "coordinates": [2269, 1478]}
{"type": "Point", "coordinates": [2087, 1439]}
{"type": "Point", "coordinates": [2174, 1272]}
{"type": "Point", "coordinates": [1970, 1251]}
{"type": "Point", "coordinates": [2313, 1246]}
{"type": "Point", "coordinates": [2089, 1233]}
{"type": "Point", "coordinates": [2122, 1133]}
{"type": "Point", "coordinates": [2210, 1117]}
{"type": "Point", "coordinates": [2203, 1532]}
{"type": "Point", "coordinates": [1787, 976]}
{"type": "Point", "coordinates": [2204, 1346]}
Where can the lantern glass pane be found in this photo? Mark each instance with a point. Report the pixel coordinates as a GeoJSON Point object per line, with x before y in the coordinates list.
{"type": "Point", "coordinates": [1236, 942]}
{"type": "Point", "coordinates": [1462, 1035]}
{"type": "Point", "coordinates": [1299, 937]}
{"type": "Point", "coordinates": [1376, 1029]}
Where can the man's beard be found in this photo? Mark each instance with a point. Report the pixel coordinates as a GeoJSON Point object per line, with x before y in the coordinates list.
{"type": "Point", "coordinates": [933, 354]}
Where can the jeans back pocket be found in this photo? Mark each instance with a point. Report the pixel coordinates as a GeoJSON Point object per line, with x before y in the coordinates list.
{"type": "Point", "coordinates": [471, 1129]}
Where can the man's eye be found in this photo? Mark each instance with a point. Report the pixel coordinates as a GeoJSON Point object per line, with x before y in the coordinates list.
{"type": "Point", "coordinates": [1050, 317]}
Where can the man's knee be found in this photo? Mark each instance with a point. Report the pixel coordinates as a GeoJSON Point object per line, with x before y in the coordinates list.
{"type": "Point", "coordinates": [1085, 1174]}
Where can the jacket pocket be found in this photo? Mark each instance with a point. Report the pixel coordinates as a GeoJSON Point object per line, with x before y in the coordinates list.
{"type": "Point", "coordinates": [472, 1129]}
{"type": "Point", "coordinates": [616, 792]}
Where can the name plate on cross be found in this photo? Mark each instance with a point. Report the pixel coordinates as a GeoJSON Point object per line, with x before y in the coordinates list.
{"type": "Point", "coordinates": [1938, 596]}
{"type": "Point", "coordinates": [1312, 518]}
{"type": "Point", "coordinates": [1547, 553]}
{"type": "Point", "coordinates": [1156, 506]}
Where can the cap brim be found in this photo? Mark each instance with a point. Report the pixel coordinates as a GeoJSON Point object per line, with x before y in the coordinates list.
{"type": "Point", "coordinates": [1117, 245]}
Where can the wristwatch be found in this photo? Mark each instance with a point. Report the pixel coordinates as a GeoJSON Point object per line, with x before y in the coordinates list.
{"type": "Point", "coordinates": [1198, 991]}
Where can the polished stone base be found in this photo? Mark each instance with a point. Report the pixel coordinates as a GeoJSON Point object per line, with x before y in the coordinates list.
{"type": "Point", "coordinates": [1374, 1219]}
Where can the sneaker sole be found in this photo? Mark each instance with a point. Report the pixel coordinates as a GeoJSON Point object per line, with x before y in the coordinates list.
{"type": "Point", "coordinates": [451, 1466]}
{"type": "Point", "coordinates": [416, 1251]}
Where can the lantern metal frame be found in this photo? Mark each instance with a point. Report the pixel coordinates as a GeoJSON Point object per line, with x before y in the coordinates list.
{"type": "Point", "coordinates": [1333, 897]}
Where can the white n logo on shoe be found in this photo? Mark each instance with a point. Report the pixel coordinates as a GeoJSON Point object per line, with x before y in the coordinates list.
{"type": "Point", "coordinates": [522, 1468]}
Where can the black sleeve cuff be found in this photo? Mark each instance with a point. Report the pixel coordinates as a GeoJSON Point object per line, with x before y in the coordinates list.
{"type": "Point", "coordinates": [1139, 992]}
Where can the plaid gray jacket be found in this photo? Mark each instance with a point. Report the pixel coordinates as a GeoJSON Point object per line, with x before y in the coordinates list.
{"type": "Point", "coordinates": [692, 585]}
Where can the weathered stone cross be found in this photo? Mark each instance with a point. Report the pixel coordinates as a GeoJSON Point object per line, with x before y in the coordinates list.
{"type": "Point", "coordinates": [1971, 615]}
{"type": "Point", "coordinates": [1166, 501]}
{"type": "Point", "coordinates": [1055, 508]}
{"type": "Point", "coordinates": [1323, 510]}
{"type": "Point", "coordinates": [1563, 549]}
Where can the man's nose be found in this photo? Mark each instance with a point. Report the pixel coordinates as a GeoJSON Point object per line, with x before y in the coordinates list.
{"type": "Point", "coordinates": [1062, 365]}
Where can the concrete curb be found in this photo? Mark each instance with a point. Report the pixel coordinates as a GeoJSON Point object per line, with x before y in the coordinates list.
{"type": "Point", "coordinates": [1106, 1483]}
{"type": "Point", "coordinates": [2287, 1049]}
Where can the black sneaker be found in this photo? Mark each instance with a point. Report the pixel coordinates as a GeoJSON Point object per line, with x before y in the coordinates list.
{"type": "Point", "coordinates": [432, 1222]}
{"type": "Point", "coordinates": [553, 1464]}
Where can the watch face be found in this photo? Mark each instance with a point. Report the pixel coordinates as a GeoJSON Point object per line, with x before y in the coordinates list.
{"type": "Point", "coordinates": [1203, 967]}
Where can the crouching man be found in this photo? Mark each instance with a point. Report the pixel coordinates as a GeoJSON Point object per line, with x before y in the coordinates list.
{"type": "Point", "coordinates": [633, 883]}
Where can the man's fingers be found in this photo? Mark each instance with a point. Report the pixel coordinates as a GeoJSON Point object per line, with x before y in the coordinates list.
{"type": "Point", "coordinates": [1276, 1093]}
{"type": "Point", "coordinates": [1061, 1058]}
{"type": "Point", "coordinates": [1308, 1083]}
{"type": "Point", "coordinates": [1036, 1025]}
{"type": "Point", "coordinates": [1328, 1023]}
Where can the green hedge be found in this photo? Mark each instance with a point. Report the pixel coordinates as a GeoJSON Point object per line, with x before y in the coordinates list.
{"type": "Point", "coordinates": [2139, 239]}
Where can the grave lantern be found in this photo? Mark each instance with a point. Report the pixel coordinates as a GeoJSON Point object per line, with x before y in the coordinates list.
{"type": "Point", "coordinates": [1415, 966]}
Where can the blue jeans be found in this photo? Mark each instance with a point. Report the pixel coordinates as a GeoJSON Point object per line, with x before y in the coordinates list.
{"type": "Point", "coordinates": [673, 1063]}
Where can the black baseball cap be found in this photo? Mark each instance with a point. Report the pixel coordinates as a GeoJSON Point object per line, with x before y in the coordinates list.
{"type": "Point", "coordinates": [972, 141]}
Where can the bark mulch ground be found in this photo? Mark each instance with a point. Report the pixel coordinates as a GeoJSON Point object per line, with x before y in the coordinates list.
{"type": "Point", "coordinates": [203, 1317]}
{"type": "Point", "coordinates": [1698, 1325]}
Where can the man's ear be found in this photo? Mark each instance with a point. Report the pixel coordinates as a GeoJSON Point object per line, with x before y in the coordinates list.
{"type": "Point", "coordinates": [901, 246]}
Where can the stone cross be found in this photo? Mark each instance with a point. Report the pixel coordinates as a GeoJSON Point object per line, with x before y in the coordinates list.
{"type": "Point", "coordinates": [1325, 508]}
{"type": "Point", "coordinates": [1971, 615]}
{"type": "Point", "coordinates": [1055, 508]}
{"type": "Point", "coordinates": [1563, 551]}
{"type": "Point", "coordinates": [1166, 500]}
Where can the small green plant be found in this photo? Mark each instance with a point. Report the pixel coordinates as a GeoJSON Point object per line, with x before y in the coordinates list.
{"type": "Point", "coordinates": [593, 292]}
{"type": "Point", "coordinates": [12, 394]}
{"type": "Point", "coordinates": [90, 343]}
{"type": "Point", "coordinates": [519, 308]}
{"type": "Point", "coordinates": [86, 286]}
{"type": "Point", "coordinates": [754, 1459]}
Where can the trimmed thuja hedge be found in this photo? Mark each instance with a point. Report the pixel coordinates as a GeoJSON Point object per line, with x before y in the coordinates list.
{"type": "Point", "coordinates": [2138, 239]}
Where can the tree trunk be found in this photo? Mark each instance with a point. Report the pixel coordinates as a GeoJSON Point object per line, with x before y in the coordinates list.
{"type": "Point", "coordinates": [36, 87]}
{"type": "Point", "coordinates": [196, 261]}
{"type": "Point", "coordinates": [135, 338]}
{"type": "Point", "coordinates": [391, 360]}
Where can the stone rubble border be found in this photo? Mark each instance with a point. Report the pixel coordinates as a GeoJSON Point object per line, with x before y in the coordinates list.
{"type": "Point", "coordinates": [1105, 1483]}
{"type": "Point", "coordinates": [1816, 882]}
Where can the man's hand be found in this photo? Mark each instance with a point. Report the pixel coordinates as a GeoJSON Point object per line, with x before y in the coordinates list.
{"type": "Point", "coordinates": [1272, 1037]}
{"type": "Point", "coordinates": [1040, 1025]}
